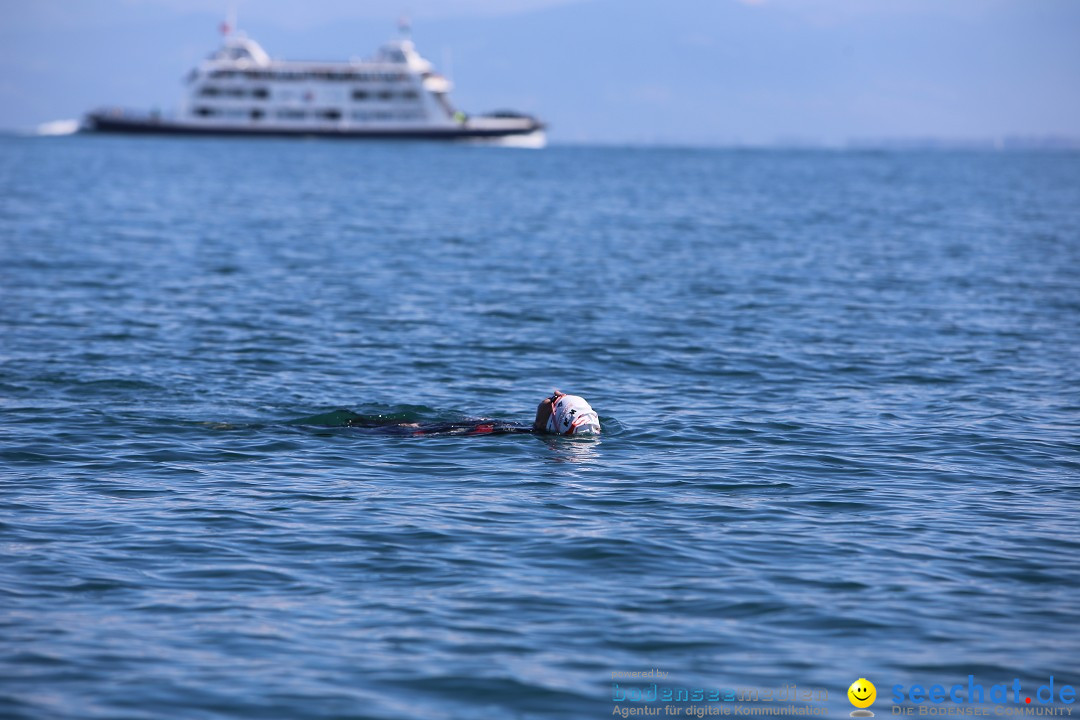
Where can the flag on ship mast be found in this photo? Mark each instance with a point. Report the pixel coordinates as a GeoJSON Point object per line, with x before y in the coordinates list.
{"type": "Point", "coordinates": [229, 23]}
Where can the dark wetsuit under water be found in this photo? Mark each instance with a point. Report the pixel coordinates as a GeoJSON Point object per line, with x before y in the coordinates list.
{"type": "Point", "coordinates": [461, 427]}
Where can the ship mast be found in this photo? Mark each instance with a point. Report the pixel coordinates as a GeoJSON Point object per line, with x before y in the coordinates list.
{"type": "Point", "coordinates": [228, 25]}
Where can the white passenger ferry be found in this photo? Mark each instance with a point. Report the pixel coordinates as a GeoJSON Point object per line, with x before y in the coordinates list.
{"type": "Point", "coordinates": [240, 90]}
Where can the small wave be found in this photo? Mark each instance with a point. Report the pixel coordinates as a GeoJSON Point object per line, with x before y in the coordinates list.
{"type": "Point", "coordinates": [57, 127]}
{"type": "Point", "coordinates": [341, 417]}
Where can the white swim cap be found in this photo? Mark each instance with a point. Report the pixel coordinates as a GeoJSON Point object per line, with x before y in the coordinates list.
{"type": "Point", "coordinates": [571, 415]}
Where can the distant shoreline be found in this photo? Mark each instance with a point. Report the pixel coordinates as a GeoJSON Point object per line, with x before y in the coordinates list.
{"type": "Point", "coordinates": [1008, 143]}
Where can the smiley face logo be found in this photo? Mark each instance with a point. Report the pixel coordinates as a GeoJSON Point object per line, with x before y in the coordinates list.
{"type": "Point", "coordinates": [862, 693]}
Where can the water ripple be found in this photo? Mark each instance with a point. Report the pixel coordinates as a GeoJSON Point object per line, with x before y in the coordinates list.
{"type": "Point", "coordinates": [839, 432]}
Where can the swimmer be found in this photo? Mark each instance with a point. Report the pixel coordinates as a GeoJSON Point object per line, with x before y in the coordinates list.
{"type": "Point", "coordinates": [560, 414]}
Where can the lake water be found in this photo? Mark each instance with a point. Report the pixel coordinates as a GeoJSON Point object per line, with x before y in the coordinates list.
{"type": "Point", "coordinates": [840, 394]}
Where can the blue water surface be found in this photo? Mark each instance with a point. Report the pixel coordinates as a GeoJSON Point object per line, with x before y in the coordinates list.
{"type": "Point", "coordinates": [840, 394]}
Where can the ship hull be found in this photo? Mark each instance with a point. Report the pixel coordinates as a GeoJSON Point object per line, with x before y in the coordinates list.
{"type": "Point", "coordinates": [116, 124]}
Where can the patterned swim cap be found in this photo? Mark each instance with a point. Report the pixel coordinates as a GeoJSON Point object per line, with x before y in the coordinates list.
{"type": "Point", "coordinates": [571, 415]}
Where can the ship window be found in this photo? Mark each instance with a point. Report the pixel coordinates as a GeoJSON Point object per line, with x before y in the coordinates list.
{"type": "Point", "coordinates": [260, 93]}
{"type": "Point", "coordinates": [256, 114]}
{"type": "Point", "coordinates": [360, 95]}
{"type": "Point", "coordinates": [409, 95]}
{"type": "Point", "coordinates": [208, 91]}
{"type": "Point", "coordinates": [204, 111]}
{"type": "Point", "coordinates": [385, 95]}
{"type": "Point", "coordinates": [291, 114]}
{"type": "Point", "coordinates": [330, 114]}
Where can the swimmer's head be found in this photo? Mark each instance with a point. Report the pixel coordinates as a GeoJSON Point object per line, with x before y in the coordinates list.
{"type": "Point", "coordinates": [564, 414]}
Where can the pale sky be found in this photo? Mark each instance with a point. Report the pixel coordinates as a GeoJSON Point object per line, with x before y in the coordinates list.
{"type": "Point", "coordinates": [623, 71]}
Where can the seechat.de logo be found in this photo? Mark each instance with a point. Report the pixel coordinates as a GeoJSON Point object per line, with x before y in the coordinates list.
{"type": "Point", "coordinates": [975, 693]}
